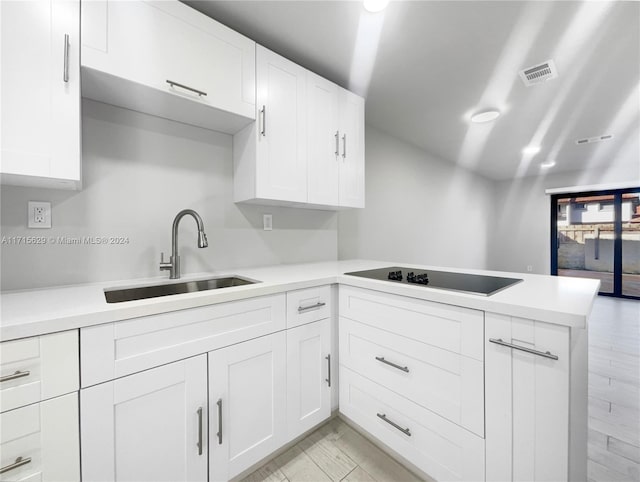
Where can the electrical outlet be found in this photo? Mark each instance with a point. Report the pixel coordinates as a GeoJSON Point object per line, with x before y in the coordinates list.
{"type": "Point", "coordinates": [529, 268]}
{"type": "Point", "coordinates": [267, 222]}
{"type": "Point", "coordinates": [39, 215]}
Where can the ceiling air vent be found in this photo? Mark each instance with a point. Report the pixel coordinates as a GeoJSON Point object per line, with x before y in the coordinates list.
{"type": "Point", "coordinates": [539, 73]}
{"type": "Point", "coordinates": [591, 140]}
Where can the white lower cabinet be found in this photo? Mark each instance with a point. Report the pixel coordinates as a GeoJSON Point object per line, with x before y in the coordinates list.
{"type": "Point", "coordinates": [247, 400]}
{"type": "Point", "coordinates": [528, 402]}
{"type": "Point", "coordinates": [440, 448]}
{"type": "Point", "coordinates": [150, 426]}
{"type": "Point", "coordinates": [309, 376]}
{"type": "Point", "coordinates": [41, 441]}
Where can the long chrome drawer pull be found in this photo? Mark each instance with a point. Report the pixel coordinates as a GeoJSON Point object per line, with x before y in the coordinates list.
{"type": "Point", "coordinates": [219, 434]}
{"type": "Point", "coordinates": [175, 84]}
{"type": "Point", "coordinates": [328, 379]}
{"type": "Point", "coordinates": [199, 444]}
{"type": "Point", "coordinates": [18, 463]}
{"type": "Point", "coordinates": [302, 309]}
{"type": "Point", "coordinates": [16, 375]}
{"type": "Point", "coordinates": [405, 431]}
{"type": "Point", "coordinates": [337, 136]}
{"type": "Point", "coordinates": [546, 354]}
{"type": "Point", "coordinates": [391, 364]}
{"type": "Point", "coordinates": [65, 65]}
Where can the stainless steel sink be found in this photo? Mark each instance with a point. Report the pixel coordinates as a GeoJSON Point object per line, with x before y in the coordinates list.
{"type": "Point", "coordinates": [154, 291]}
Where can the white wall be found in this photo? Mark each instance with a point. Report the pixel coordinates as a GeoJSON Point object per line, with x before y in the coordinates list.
{"type": "Point", "coordinates": [523, 218]}
{"type": "Point", "coordinates": [419, 209]}
{"type": "Point", "coordinates": [138, 172]}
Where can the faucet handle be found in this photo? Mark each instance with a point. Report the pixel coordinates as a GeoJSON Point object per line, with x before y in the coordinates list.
{"type": "Point", "coordinates": [163, 263]}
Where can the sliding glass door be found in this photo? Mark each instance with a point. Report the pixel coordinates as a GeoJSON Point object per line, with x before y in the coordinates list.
{"type": "Point", "coordinates": [597, 235]}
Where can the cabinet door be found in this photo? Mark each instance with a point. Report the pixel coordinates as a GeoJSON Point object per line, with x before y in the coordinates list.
{"type": "Point", "coordinates": [352, 150]}
{"type": "Point", "coordinates": [150, 426]}
{"type": "Point", "coordinates": [281, 170]}
{"type": "Point", "coordinates": [40, 93]}
{"type": "Point", "coordinates": [41, 441]}
{"type": "Point", "coordinates": [308, 376]}
{"type": "Point", "coordinates": [527, 401]}
{"type": "Point", "coordinates": [323, 140]}
{"type": "Point", "coordinates": [150, 43]}
{"type": "Point", "coordinates": [247, 384]}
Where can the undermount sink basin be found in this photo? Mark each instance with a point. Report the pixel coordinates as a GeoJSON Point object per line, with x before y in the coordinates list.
{"type": "Point", "coordinates": [154, 291]}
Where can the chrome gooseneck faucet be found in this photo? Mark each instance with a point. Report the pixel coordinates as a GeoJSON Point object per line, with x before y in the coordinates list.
{"type": "Point", "coordinates": [174, 262]}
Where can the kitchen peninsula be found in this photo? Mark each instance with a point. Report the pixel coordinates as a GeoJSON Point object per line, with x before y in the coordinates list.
{"type": "Point", "coordinates": [438, 377]}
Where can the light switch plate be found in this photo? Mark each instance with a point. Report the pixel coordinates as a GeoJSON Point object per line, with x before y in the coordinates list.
{"type": "Point", "coordinates": [39, 215]}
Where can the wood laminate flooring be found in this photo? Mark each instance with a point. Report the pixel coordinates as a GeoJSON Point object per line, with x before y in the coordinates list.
{"type": "Point", "coordinates": [614, 391]}
{"type": "Point", "coordinates": [336, 452]}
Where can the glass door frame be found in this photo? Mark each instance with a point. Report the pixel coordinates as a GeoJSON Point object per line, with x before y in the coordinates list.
{"type": "Point", "coordinates": [617, 236]}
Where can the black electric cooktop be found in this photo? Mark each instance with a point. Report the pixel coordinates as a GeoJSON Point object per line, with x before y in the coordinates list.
{"type": "Point", "coordinates": [444, 280]}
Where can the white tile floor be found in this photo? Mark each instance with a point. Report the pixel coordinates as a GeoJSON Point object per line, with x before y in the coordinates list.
{"type": "Point", "coordinates": [336, 452]}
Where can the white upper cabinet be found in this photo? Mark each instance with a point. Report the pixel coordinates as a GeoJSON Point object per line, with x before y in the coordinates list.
{"type": "Point", "coordinates": [166, 59]}
{"type": "Point", "coordinates": [352, 149]}
{"type": "Point", "coordinates": [335, 144]}
{"type": "Point", "coordinates": [270, 156]}
{"type": "Point", "coordinates": [306, 147]}
{"type": "Point", "coordinates": [323, 141]}
{"type": "Point", "coordinates": [40, 93]}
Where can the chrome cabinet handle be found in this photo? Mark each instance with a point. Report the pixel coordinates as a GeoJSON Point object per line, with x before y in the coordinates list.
{"type": "Point", "coordinates": [391, 364]}
{"type": "Point", "coordinates": [176, 84]}
{"type": "Point", "coordinates": [546, 354]}
{"type": "Point", "coordinates": [328, 379]}
{"type": "Point", "coordinates": [15, 375]}
{"type": "Point", "coordinates": [344, 146]}
{"type": "Point", "coordinates": [302, 309]}
{"type": "Point", "coordinates": [65, 68]}
{"type": "Point", "coordinates": [18, 463]}
{"type": "Point", "coordinates": [263, 120]}
{"type": "Point", "coordinates": [219, 434]}
{"type": "Point", "coordinates": [199, 444]}
{"type": "Point", "coordinates": [337, 136]}
{"type": "Point", "coordinates": [405, 431]}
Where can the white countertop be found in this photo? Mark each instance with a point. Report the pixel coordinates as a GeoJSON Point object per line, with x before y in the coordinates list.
{"type": "Point", "coordinates": [558, 300]}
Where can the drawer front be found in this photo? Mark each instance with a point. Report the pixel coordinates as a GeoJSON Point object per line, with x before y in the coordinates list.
{"type": "Point", "coordinates": [116, 349]}
{"type": "Point", "coordinates": [444, 382]}
{"type": "Point", "coordinates": [452, 328]}
{"type": "Point", "coordinates": [440, 448]}
{"type": "Point", "coordinates": [35, 434]}
{"type": "Point", "coordinates": [38, 368]}
{"type": "Point", "coordinates": [305, 306]}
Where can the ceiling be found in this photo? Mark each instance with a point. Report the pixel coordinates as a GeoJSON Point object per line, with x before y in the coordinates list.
{"type": "Point", "coordinates": [425, 66]}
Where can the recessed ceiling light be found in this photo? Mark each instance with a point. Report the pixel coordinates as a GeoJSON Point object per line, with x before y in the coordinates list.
{"type": "Point", "coordinates": [531, 150]}
{"type": "Point", "coordinates": [486, 116]}
{"type": "Point", "coordinates": [375, 5]}
{"type": "Point", "coordinates": [547, 164]}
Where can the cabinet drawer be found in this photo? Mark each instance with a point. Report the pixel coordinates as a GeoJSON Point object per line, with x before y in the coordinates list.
{"type": "Point", "coordinates": [440, 448]}
{"type": "Point", "coordinates": [38, 368]}
{"type": "Point", "coordinates": [446, 383]}
{"type": "Point", "coordinates": [305, 306]}
{"type": "Point", "coordinates": [45, 436]}
{"type": "Point", "coordinates": [452, 328]}
{"type": "Point", "coordinates": [116, 349]}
